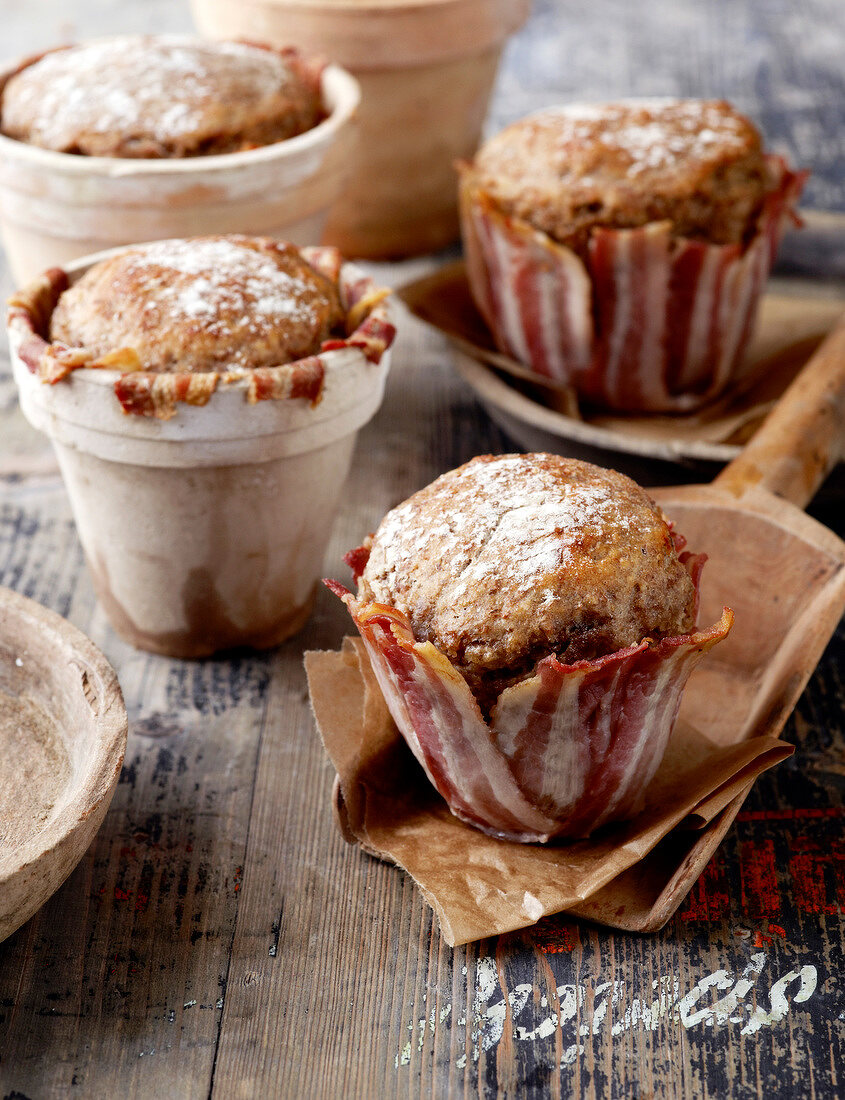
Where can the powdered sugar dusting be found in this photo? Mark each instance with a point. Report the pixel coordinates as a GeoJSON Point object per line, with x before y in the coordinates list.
{"type": "Point", "coordinates": [221, 285]}
{"type": "Point", "coordinates": [509, 559]}
{"type": "Point", "coordinates": [158, 86]}
{"type": "Point", "coordinates": [511, 520]}
{"type": "Point", "coordinates": [636, 137]}
{"type": "Point", "coordinates": [652, 135]}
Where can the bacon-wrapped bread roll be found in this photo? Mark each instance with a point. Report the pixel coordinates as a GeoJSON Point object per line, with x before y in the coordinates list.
{"type": "Point", "coordinates": [179, 317]}
{"type": "Point", "coordinates": [531, 621]}
{"type": "Point", "coordinates": [622, 248]}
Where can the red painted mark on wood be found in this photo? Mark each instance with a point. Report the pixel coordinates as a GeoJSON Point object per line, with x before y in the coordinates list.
{"type": "Point", "coordinates": [791, 814]}
{"type": "Point", "coordinates": [759, 879]}
{"type": "Point", "coordinates": [762, 939]}
{"type": "Point", "coordinates": [818, 875]}
{"type": "Point", "coordinates": [709, 898]}
{"type": "Point", "coordinates": [142, 900]}
{"type": "Point", "coordinates": [553, 938]}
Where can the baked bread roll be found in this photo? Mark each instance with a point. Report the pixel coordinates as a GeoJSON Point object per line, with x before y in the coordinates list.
{"type": "Point", "coordinates": [161, 96]}
{"type": "Point", "coordinates": [621, 249]}
{"type": "Point", "coordinates": [199, 304]}
{"type": "Point", "coordinates": [696, 164]}
{"type": "Point", "coordinates": [174, 319]}
{"type": "Point", "coordinates": [508, 559]}
{"type": "Point", "coordinates": [531, 622]}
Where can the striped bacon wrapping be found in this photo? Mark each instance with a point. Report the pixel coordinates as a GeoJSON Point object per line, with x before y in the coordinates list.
{"type": "Point", "coordinates": [304, 378]}
{"type": "Point", "coordinates": [157, 394]}
{"type": "Point", "coordinates": [566, 750]}
{"type": "Point", "coordinates": [648, 323]}
{"type": "Point", "coordinates": [153, 394]}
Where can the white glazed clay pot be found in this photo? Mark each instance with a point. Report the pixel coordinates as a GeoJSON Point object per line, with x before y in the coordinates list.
{"type": "Point", "coordinates": [206, 531]}
{"type": "Point", "coordinates": [426, 71]}
{"type": "Point", "coordinates": [58, 207]}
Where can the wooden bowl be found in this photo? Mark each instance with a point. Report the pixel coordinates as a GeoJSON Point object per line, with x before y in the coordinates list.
{"type": "Point", "coordinates": [63, 732]}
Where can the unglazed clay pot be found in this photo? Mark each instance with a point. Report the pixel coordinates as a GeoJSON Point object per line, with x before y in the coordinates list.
{"type": "Point", "coordinates": [205, 531]}
{"type": "Point", "coordinates": [58, 207]}
{"type": "Point", "coordinates": [426, 71]}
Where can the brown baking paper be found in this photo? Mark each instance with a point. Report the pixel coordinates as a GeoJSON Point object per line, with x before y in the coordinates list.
{"type": "Point", "coordinates": [788, 330]}
{"type": "Point", "coordinates": [479, 886]}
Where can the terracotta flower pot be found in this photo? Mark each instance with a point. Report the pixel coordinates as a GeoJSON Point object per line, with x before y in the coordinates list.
{"type": "Point", "coordinates": [426, 72]}
{"type": "Point", "coordinates": [58, 207]}
{"type": "Point", "coordinates": [206, 530]}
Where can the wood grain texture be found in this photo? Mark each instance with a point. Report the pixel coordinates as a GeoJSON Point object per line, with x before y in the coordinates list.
{"type": "Point", "coordinates": [220, 939]}
{"type": "Point", "coordinates": [800, 441]}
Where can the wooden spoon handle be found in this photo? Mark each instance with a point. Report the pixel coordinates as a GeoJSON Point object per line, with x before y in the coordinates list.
{"type": "Point", "coordinates": [802, 438]}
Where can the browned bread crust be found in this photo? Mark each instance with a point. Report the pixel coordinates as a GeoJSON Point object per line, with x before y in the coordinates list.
{"type": "Point", "coordinates": [695, 163]}
{"type": "Point", "coordinates": [511, 558]}
{"type": "Point", "coordinates": [161, 96]}
{"type": "Point", "coordinates": [203, 304]}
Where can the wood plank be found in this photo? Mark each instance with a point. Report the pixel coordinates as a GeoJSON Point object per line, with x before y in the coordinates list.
{"type": "Point", "coordinates": [221, 939]}
{"type": "Point", "coordinates": [345, 915]}
{"type": "Point", "coordinates": [116, 985]}
{"type": "Point", "coordinates": [418, 1051]}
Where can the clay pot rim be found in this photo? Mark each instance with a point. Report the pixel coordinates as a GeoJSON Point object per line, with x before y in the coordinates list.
{"type": "Point", "coordinates": [378, 35]}
{"type": "Point", "coordinates": [111, 724]}
{"type": "Point", "coordinates": [350, 382]}
{"type": "Point", "coordinates": [340, 358]}
{"type": "Point", "coordinates": [340, 91]}
{"type": "Point", "coordinates": [367, 6]}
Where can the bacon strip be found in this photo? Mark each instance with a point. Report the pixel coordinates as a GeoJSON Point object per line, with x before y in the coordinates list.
{"type": "Point", "coordinates": [534, 294]}
{"type": "Point", "coordinates": [301, 379]}
{"type": "Point", "coordinates": [585, 740]}
{"type": "Point", "coordinates": [434, 709]}
{"type": "Point", "coordinates": [146, 393]}
{"type": "Point", "coordinates": [648, 322]}
{"type": "Point", "coordinates": [373, 337]}
{"type": "Point", "coordinates": [28, 320]}
{"type": "Point", "coordinates": [153, 394]}
{"type": "Point", "coordinates": [324, 258]}
{"type": "Point", "coordinates": [37, 302]}
{"type": "Point", "coordinates": [567, 750]}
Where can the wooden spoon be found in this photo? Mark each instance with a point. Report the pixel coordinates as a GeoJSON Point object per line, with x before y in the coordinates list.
{"type": "Point", "coordinates": [784, 575]}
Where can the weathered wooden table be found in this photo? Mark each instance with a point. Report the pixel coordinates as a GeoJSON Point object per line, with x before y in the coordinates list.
{"type": "Point", "coordinates": [220, 939]}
